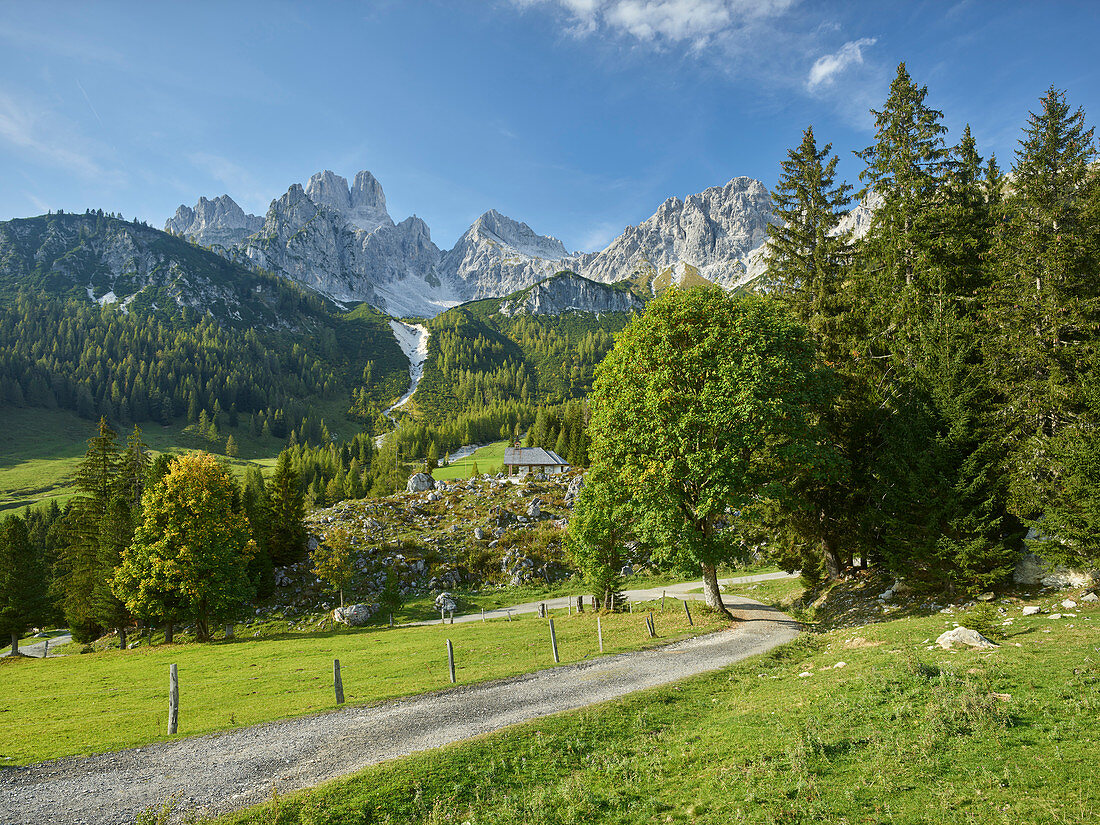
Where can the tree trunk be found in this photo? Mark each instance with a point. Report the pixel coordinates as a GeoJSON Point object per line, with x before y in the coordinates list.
{"type": "Point", "coordinates": [832, 560]}
{"type": "Point", "coordinates": [202, 628]}
{"type": "Point", "coordinates": [169, 633]}
{"type": "Point", "coordinates": [14, 644]}
{"type": "Point", "coordinates": [711, 594]}
{"type": "Point", "coordinates": [122, 638]}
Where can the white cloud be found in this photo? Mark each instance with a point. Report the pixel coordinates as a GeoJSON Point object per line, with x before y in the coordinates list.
{"type": "Point", "coordinates": [694, 22]}
{"type": "Point", "coordinates": [827, 67]}
{"type": "Point", "coordinates": [598, 236]}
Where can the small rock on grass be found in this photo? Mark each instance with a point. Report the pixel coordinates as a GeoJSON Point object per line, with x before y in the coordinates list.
{"type": "Point", "coordinates": [966, 636]}
{"type": "Point", "coordinates": [1031, 610]}
{"type": "Point", "coordinates": [1069, 604]}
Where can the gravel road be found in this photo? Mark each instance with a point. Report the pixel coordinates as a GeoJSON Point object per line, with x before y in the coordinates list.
{"type": "Point", "coordinates": [226, 771]}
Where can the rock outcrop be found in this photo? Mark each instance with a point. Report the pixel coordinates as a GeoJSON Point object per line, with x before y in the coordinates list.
{"type": "Point", "coordinates": [218, 222]}
{"type": "Point", "coordinates": [497, 256]}
{"type": "Point", "coordinates": [569, 292]}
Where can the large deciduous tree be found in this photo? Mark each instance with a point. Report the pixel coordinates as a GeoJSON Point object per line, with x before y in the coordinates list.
{"type": "Point", "coordinates": [189, 557]}
{"type": "Point", "coordinates": [707, 405]}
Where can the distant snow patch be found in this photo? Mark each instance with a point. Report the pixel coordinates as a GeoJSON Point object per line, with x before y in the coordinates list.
{"type": "Point", "coordinates": [413, 340]}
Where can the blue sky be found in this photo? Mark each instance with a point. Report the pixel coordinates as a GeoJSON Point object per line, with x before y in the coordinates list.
{"type": "Point", "coordinates": [576, 116]}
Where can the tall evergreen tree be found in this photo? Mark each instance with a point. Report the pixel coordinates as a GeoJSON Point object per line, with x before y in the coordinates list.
{"type": "Point", "coordinates": [23, 597]}
{"type": "Point", "coordinates": [807, 253]}
{"type": "Point", "coordinates": [808, 259]}
{"type": "Point", "coordinates": [286, 529]}
{"type": "Point", "coordinates": [1048, 296]}
{"type": "Point", "coordinates": [904, 168]}
{"type": "Point", "coordinates": [97, 483]}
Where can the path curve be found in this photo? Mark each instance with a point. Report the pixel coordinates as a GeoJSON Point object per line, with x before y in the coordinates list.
{"type": "Point", "coordinates": [226, 771]}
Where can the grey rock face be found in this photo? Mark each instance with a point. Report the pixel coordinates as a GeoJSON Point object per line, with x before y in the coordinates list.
{"type": "Point", "coordinates": [343, 244]}
{"type": "Point", "coordinates": [214, 222]}
{"type": "Point", "coordinates": [419, 483]}
{"type": "Point", "coordinates": [570, 292]}
{"type": "Point", "coordinates": [497, 256]}
{"type": "Point", "coordinates": [711, 233]}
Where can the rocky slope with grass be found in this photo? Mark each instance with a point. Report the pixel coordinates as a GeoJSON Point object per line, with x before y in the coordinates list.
{"type": "Point", "coordinates": [468, 533]}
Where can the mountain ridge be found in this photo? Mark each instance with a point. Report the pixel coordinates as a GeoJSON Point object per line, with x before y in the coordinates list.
{"type": "Point", "coordinates": [339, 240]}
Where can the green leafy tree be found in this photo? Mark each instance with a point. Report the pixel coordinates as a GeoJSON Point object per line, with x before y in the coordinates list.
{"type": "Point", "coordinates": [334, 560]}
{"type": "Point", "coordinates": [709, 403]}
{"type": "Point", "coordinates": [190, 554]}
{"type": "Point", "coordinates": [23, 594]}
{"type": "Point", "coordinates": [599, 529]}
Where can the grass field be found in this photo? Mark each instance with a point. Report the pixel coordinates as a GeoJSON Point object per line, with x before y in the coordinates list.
{"type": "Point", "coordinates": [40, 450]}
{"type": "Point", "coordinates": [489, 459]}
{"type": "Point", "coordinates": [117, 699]}
{"type": "Point", "coordinates": [864, 725]}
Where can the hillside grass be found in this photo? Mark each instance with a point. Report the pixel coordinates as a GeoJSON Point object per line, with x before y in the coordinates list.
{"type": "Point", "coordinates": [40, 449]}
{"type": "Point", "coordinates": [489, 459]}
{"type": "Point", "coordinates": [82, 704]}
{"type": "Point", "coordinates": [849, 726]}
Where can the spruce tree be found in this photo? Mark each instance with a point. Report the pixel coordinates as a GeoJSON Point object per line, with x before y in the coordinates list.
{"type": "Point", "coordinates": [286, 530]}
{"type": "Point", "coordinates": [1047, 294]}
{"type": "Point", "coordinates": [97, 483]}
{"type": "Point", "coordinates": [904, 168]}
{"type": "Point", "coordinates": [809, 259]}
{"type": "Point", "coordinates": [807, 253]}
{"type": "Point", "coordinates": [23, 599]}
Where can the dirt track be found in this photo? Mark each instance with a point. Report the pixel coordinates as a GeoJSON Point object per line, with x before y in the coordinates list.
{"type": "Point", "coordinates": [226, 771]}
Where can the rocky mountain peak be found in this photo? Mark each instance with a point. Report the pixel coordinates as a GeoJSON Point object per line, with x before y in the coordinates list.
{"type": "Point", "coordinates": [219, 221]}
{"type": "Point", "coordinates": [518, 235]}
{"type": "Point", "coordinates": [329, 189]}
{"type": "Point", "coordinates": [366, 192]}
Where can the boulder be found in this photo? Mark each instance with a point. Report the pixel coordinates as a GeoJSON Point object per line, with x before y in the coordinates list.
{"type": "Point", "coordinates": [420, 483]}
{"type": "Point", "coordinates": [966, 636]}
{"type": "Point", "coordinates": [534, 509]}
{"type": "Point", "coordinates": [1090, 597]}
{"type": "Point", "coordinates": [479, 534]}
{"type": "Point", "coordinates": [445, 602]}
{"type": "Point", "coordinates": [1031, 610]}
{"type": "Point", "coordinates": [1032, 571]}
{"type": "Point", "coordinates": [353, 615]}
{"type": "Point", "coordinates": [1069, 604]}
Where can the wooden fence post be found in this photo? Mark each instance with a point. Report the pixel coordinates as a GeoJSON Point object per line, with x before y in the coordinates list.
{"type": "Point", "coordinates": [554, 641]}
{"type": "Point", "coordinates": [580, 604]}
{"type": "Point", "coordinates": [337, 682]}
{"type": "Point", "coordinates": [391, 620]}
{"type": "Point", "coordinates": [483, 615]}
{"type": "Point", "coordinates": [688, 611]}
{"type": "Point", "coordinates": [649, 625]}
{"type": "Point", "coordinates": [599, 632]}
{"type": "Point", "coordinates": [451, 660]}
{"type": "Point", "coordinates": [662, 601]}
{"type": "Point", "coordinates": [173, 699]}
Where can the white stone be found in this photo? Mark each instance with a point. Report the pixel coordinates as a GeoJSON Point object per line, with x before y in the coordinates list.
{"type": "Point", "coordinates": [1069, 604]}
{"type": "Point", "coordinates": [419, 483]}
{"type": "Point", "coordinates": [1031, 610]}
{"type": "Point", "coordinates": [1089, 597]}
{"type": "Point", "coordinates": [966, 636]}
{"type": "Point", "coordinates": [353, 615]}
